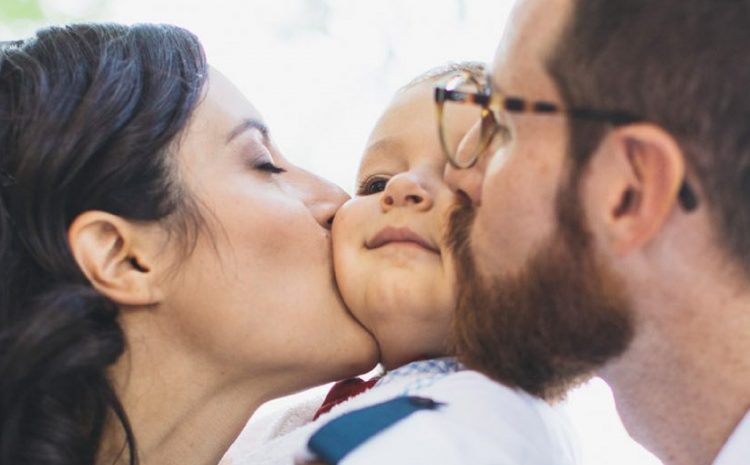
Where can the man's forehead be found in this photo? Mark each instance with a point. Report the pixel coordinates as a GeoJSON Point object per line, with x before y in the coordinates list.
{"type": "Point", "coordinates": [530, 35]}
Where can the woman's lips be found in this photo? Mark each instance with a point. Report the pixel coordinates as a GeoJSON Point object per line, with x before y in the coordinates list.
{"type": "Point", "coordinates": [391, 235]}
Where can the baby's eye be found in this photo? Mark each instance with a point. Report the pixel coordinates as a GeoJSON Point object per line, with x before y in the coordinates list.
{"type": "Point", "coordinates": [372, 185]}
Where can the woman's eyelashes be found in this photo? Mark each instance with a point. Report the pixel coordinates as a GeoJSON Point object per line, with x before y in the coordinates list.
{"type": "Point", "coordinates": [372, 185]}
{"type": "Point", "coordinates": [259, 157]}
{"type": "Point", "coordinates": [269, 167]}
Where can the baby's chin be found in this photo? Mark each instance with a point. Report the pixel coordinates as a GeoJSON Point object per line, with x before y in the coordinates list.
{"type": "Point", "coordinates": [394, 356]}
{"type": "Point", "coordinates": [404, 337]}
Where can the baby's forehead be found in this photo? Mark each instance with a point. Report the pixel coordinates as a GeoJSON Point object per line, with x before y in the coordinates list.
{"type": "Point", "coordinates": [385, 149]}
{"type": "Point", "coordinates": [409, 115]}
{"type": "Point", "coordinates": [407, 127]}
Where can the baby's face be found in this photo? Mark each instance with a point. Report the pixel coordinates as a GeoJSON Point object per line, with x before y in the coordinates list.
{"type": "Point", "coordinates": [392, 264]}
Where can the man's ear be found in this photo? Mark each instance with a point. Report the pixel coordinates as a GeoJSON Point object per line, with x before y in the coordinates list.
{"type": "Point", "coordinates": [116, 257]}
{"type": "Point", "coordinates": [639, 170]}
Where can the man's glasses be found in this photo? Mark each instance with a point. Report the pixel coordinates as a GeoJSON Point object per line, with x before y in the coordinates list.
{"type": "Point", "coordinates": [463, 150]}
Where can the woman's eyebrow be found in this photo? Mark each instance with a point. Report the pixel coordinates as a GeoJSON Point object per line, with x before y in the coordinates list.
{"type": "Point", "coordinates": [245, 125]}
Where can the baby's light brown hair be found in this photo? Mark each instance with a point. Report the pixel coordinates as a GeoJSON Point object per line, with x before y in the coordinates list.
{"type": "Point", "coordinates": [475, 68]}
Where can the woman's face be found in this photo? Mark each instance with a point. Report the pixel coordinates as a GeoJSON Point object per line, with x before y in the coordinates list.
{"type": "Point", "coordinates": [257, 294]}
{"type": "Point", "coordinates": [392, 263]}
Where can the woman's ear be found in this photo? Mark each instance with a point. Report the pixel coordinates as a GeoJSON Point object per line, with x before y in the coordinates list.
{"type": "Point", "coordinates": [117, 256]}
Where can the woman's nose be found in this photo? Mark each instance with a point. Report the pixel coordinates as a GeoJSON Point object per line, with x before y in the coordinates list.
{"type": "Point", "coordinates": [324, 199]}
{"type": "Point", "coordinates": [405, 190]}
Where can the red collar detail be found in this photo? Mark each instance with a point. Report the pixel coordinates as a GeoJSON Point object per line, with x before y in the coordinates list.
{"type": "Point", "coordinates": [343, 391]}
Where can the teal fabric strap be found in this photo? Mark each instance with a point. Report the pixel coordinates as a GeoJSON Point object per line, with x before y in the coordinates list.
{"type": "Point", "coordinates": [332, 442]}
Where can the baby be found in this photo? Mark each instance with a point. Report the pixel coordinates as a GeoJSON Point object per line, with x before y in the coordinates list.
{"type": "Point", "coordinates": [397, 276]}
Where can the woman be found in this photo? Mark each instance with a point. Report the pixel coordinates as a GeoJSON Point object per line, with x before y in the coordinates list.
{"type": "Point", "coordinates": [164, 269]}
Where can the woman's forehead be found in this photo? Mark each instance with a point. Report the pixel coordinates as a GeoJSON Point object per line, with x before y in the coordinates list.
{"type": "Point", "coordinates": [222, 109]}
{"type": "Point", "coordinates": [226, 98]}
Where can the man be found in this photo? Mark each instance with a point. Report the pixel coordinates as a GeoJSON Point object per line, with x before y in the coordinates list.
{"type": "Point", "coordinates": [606, 225]}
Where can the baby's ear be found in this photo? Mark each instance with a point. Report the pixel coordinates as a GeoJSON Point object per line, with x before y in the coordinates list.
{"type": "Point", "coordinates": [117, 256]}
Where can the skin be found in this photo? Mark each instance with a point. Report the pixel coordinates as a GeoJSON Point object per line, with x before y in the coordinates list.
{"type": "Point", "coordinates": [402, 292]}
{"type": "Point", "coordinates": [681, 387]}
{"type": "Point", "coordinates": [251, 313]}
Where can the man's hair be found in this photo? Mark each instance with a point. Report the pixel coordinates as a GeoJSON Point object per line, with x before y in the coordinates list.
{"type": "Point", "coordinates": [474, 68]}
{"type": "Point", "coordinates": [681, 64]}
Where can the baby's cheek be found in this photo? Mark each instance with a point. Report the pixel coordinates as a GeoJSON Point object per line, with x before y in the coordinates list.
{"type": "Point", "coordinates": [343, 233]}
{"type": "Point", "coordinates": [345, 239]}
{"type": "Point", "coordinates": [345, 222]}
{"type": "Point", "coordinates": [344, 264]}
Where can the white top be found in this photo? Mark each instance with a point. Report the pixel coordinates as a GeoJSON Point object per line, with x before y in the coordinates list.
{"type": "Point", "coordinates": [482, 422]}
{"type": "Point", "coordinates": [736, 450]}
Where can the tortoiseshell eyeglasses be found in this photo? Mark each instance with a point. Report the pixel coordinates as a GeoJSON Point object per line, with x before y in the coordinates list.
{"type": "Point", "coordinates": [465, 89]}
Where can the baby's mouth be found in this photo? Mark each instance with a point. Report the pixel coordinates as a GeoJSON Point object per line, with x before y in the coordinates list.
{"type": "Point", "coordinates": [404, 236]}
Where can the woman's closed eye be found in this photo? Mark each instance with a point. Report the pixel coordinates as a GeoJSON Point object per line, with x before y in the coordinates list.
{"type": "Point", "coordinates": [372, 185]}
{"type": "Point", "coordinates": [257, 151]}
{"type": "Point", "coordinates": [269, 167]}
{"type": "Point", "coordinates": [260, 158]}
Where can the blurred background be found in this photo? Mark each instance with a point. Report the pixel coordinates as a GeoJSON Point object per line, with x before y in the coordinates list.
{"type": "Point", "coordinates": [321, 71]}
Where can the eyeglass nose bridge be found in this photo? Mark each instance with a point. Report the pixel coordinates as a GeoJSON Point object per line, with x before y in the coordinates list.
{"type": "Point", "coordinates": [487, 130]}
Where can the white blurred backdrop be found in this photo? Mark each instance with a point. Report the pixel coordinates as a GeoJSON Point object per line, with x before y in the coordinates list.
{"type": "Point", "coordinates": [321, 71]}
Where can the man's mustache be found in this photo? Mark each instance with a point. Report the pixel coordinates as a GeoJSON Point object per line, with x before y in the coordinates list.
{"type": "Point", "coordinates": [460, 220]}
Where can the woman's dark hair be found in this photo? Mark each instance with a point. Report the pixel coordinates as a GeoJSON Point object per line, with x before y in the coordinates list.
{"type": "Point", "coordinates": [88, 116]}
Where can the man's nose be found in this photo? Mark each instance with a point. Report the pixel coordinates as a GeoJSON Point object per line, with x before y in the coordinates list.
{"type": "Point", "coordinates": [467, 182]}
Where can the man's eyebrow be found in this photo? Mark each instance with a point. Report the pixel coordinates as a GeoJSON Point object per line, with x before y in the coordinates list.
{"type": "Point", "coordinates": [245, 125]}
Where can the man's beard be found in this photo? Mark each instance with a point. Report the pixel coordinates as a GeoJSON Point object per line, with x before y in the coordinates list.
{"type": "Point", "coordinates": [547, 327]}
